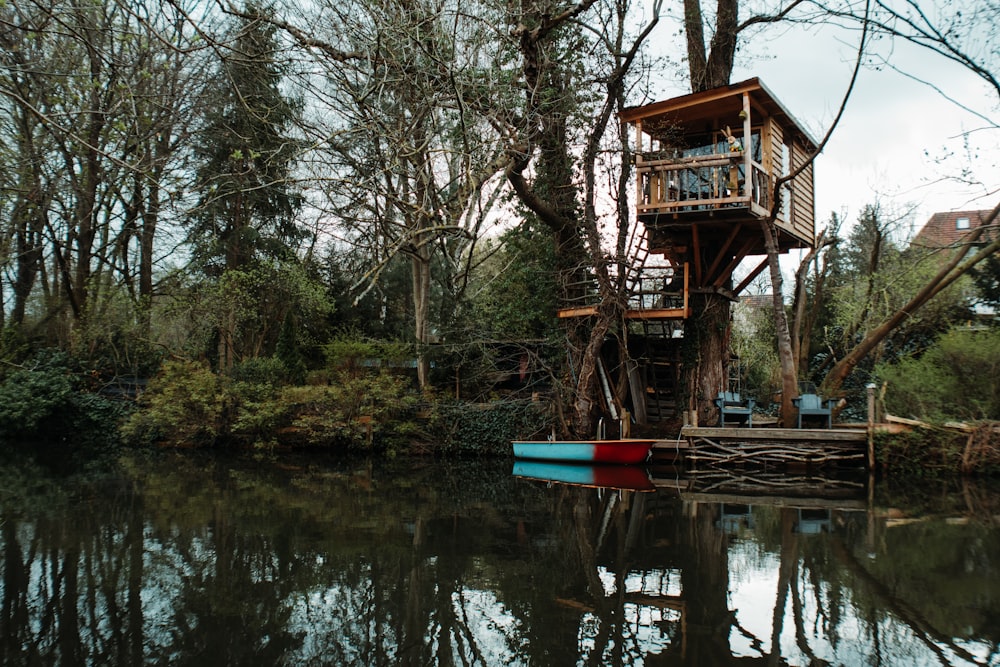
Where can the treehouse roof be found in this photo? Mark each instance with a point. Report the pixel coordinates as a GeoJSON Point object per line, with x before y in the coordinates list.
{"type": "Point", "coordinates": [712, 109]}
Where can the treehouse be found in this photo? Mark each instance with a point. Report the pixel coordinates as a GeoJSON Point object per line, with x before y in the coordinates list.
{"type": "Point", "coordinates": [706, 168]}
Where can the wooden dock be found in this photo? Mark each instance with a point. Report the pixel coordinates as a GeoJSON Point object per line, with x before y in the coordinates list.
{"type": "Point", "coordinates": [766, 446]}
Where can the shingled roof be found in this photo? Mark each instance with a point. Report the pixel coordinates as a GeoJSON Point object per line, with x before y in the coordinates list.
{"type": "Point", "coordinates": [947, 229]}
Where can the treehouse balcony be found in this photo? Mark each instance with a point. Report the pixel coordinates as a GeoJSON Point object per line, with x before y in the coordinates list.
{"type": "Point", "coordinates": [651, 293]}
{"type": "Point", "coordinates": [706, 169]}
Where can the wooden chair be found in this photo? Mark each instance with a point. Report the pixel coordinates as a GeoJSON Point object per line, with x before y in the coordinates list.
{"type": "Point", "coordinates": [811, 405]}
{"type": "Point", "coordinates": [732, 407]}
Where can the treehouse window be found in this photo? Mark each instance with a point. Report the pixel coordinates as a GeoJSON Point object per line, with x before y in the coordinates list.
{"type": "Point", "coordinates": [697, 145]}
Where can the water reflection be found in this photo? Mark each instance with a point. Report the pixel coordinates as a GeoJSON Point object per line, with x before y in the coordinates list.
{"type": "Point", "coordinates": [187, 560]}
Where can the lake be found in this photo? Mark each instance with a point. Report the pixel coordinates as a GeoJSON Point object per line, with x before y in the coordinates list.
{"type": "Point", "coordinates": [188, 559]}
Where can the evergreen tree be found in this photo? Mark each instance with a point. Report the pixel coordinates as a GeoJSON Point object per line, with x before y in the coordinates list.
{"type": "Point", "coordinates": [247, 203]}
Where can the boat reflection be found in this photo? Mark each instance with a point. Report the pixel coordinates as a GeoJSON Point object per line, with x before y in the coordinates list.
{"type": "Point", "coordinates": [633, 478]}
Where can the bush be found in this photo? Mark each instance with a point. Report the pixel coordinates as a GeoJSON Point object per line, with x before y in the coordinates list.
{"type": "Point", "coordinates": [357, 412]}
{"type": "Point", "coordinates": [188, 404]}
{"type": "Point", "coordinates": [36, 395]}
{"type": "Point", "coordinates": [260, 370]}
{"type": "Point", "coordinates": [185, 404]}
{"type": "Point", "coordinates": [956, 379]}
{"type": "Point", "coordinates": [352, 352]}
{"type": "Point", "coordinates": [467, 428]}
{"type": "Point", "coordinates": [43, 401]}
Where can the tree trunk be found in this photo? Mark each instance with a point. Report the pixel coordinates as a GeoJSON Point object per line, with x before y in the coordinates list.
{"type": "Point", "coordinates": [706, 339]}
{"type": "Point", "coordinates": [421, 273]}
{"type": "Point", "coordinates": [789, 376]}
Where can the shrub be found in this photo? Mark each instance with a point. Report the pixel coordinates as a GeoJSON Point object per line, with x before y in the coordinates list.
{"type": "Point", "coordinates": [466, 428]}
{"type": "Point", "coordinates": [43, 402]}
{"type": "Point", "coordinates": [352, 352]}
{"type": "Point", "coordinates": [35, 395]}
{"type": "Point", "coordinates": [188, 404]}
{"type": "Point", "coordinates": [260, 370]}
{"type": "Point", "coordinates": [955, 379]}
{"type": "Point", "coordinates": [356, 412]}
{"type": "Point", "coordinates": [185, 404]}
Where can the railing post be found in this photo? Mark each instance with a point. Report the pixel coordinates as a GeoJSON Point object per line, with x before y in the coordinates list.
{"type": "Point", "coordinates": [871, 425]}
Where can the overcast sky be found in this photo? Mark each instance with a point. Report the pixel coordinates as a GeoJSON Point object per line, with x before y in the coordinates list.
{"type": "Point", "coordinates": [885, 147]}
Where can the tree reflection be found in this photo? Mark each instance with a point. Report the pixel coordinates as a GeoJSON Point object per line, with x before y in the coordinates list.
{"type": "Point", "coordinates": [228, 562]}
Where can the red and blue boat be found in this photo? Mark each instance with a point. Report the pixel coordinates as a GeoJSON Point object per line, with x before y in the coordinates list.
{"type": "Point", "coordinates": [626, 451]}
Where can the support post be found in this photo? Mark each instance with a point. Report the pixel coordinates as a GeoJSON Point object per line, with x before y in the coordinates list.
{"type": "Point", "coordinates": [871, 426]}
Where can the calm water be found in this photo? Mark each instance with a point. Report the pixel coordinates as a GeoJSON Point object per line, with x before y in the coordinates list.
{"type": "Point", "coordinates": [193, 560]}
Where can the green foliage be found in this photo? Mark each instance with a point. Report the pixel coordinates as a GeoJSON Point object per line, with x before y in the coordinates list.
{"type": "Point", "coordinates": [186, 404]}
{"type": "Point", "coordinates": [516, 287]}
{"type": "Point", "coordinates": [350, 351]}
{"type": "Point", "coordinates": [44, 400]}
{"type": "Point", "coordinates": [32, 396]}
{"type": "Point", "coordinates": [382, 312]}
{"type": "Point", "coordinates": [926, 453]}
{"type": "Point", "coordinates": [956, 379]}
{"type": "Point", "coordinates": [468, 428]}
{"type": "Point", "coordinates": [267, 371]}
{"type": "Point", "coordinates": [113, 338]}
{"type": "Point", "coordinates": [867, 278]}
{"type": "Point", "coordinates": [287, 351]}
{"type": "Point", "coordinates": [753, 343]}
{"type": "Point", "coordinates": [13, 345]}
{"type": "Point", "coordinates": [247, 203]}
{"type": "Point", "coordinates": [189, 405]}
{"type": "Point", "coordinates": [252, 303]}
{"type": "Point", "coordinates": [358, 412]}
{"type": "Point", "coordinates": [987, 279]}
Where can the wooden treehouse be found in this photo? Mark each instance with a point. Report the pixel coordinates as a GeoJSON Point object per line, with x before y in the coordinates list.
{"type": "Point", "coordinates": [706, 168]}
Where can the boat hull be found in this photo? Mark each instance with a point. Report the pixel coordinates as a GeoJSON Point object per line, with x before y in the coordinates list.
{"type": "Point", "coordinates": [584, 451]}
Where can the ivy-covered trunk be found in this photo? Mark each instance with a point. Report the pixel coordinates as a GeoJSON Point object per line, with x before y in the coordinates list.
{"type": "Point", "coordinates": [706, 353]}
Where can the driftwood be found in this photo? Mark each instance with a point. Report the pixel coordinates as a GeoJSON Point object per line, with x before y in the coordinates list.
{"type": "Point", "coordinates": [982, 439]}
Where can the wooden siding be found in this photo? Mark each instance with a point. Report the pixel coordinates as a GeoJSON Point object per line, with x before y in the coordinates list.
{"type": "Point", "coordinates": [803, 198]}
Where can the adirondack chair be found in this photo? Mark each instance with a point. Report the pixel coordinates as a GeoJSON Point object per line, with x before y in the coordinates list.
{"type": "Point", "coordinates": [732, 407]}
{"type": "Point", "coordinates": [811, 405]}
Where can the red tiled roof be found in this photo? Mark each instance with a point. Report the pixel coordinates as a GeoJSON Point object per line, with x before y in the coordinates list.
{"type": "Point", "coordinates": [942, 231]}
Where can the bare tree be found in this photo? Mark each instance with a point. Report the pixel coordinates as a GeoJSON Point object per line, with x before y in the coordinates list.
{"type": "Point", "coordinates": [400, 131]}
{"type": "Point", "coordinates": [94, 99]}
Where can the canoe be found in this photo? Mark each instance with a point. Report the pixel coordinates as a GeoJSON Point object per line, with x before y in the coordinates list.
{"type": "Point", "coordinates": [604, 476]}
{"type": "Point", "coordinates": [632, 450]}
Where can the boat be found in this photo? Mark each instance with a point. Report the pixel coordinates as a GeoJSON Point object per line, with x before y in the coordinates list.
{"type": "Point", "coordinates": [605, 476]}
{"type": "Point", "coordinates": [627, 451]}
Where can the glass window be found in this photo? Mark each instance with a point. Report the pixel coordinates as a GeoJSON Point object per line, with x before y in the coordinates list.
{"type": "Point", "coordinates": [962, 223]}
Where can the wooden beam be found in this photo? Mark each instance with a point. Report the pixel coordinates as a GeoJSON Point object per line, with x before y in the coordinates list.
{"type": "Point", "coordinates": [687, 291]}
{"type": "Point", "coordinates": [753, 274]}
{"type": "Point", "coordinates": [689, 100]}
{"type": "Point", "coordinates": [656, 314]}
{"type": "Point", "coordinates": [697, 254]}
{"type": "Point", "coordinates": [747, 134]}
{"type": "Point", "coordinates": [728, 271]}
{"type": "Point", "coordinates": [577, 312]}
{"type": "Point", "coordinates": [725, 248]}
{"type": "Point", "coordinates": [777, 434]}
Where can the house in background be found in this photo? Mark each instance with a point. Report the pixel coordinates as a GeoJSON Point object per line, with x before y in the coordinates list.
{"type": "Point", "coordinates": [947, 229]}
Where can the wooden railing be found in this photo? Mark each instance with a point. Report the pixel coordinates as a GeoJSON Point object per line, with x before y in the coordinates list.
{"type": "Point", "coordinates": [701, 182]}
{"type": "Point", "coordinates": [658, 293]}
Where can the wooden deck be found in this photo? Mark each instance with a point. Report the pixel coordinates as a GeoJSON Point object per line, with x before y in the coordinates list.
{"type": "Point", "coordinates": [766, 446]}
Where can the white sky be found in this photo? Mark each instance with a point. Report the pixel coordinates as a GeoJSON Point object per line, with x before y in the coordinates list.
{"type": "Point", "coordinates": [885, 146]}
